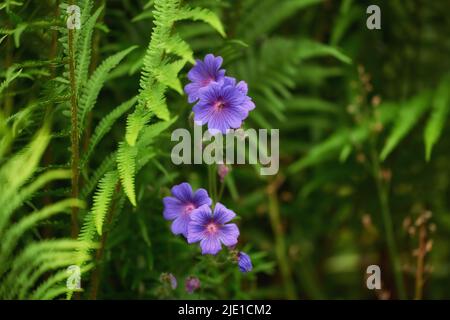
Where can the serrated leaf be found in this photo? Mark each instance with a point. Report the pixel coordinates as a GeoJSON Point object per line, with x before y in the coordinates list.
{"type": "Point", "coordinates": [202, 14]}
{"type": "Point", "coordinates": [168, 75]}
{"type": "Point", "coordinates": [126, 164]}
{"type": "Point", "coordinates": [95, 83]}
{"type": "Point", "coordinates": [103, 197]}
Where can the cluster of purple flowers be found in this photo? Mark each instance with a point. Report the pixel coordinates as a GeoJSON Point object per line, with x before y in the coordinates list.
{"type": "Point", "coordinates": [191, 283]}
{"type": "Point", "coordinates": [220, 102]}
{"type": "Point", "coordinates": [193, 218]}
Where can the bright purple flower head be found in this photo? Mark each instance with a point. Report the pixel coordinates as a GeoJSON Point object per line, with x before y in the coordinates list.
{"type": "Point", "coordinates": [244, 262]}
{"type": "Point", "coordinates": [202, 74]}
{"type": "Point", "coordinates": [212, 229]}
{"type": "Point", "coordinates": [242, 87]}
{"type": "Point", "coordinates": [222, 106]}
{"type": "Point", "coordinates": [181, 205]}
{"type": "Point", "coordinates": [192, 284]}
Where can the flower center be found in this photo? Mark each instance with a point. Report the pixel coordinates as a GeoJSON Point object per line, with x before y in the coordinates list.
{"type": "Point", "coordinates": [219, 105]}
{"type": "Point", "coordinates": [189, 208]}
{"type": "Point", "coordinates": [211, 228]}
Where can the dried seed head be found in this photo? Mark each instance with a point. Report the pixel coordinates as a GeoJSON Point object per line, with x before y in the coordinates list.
{"type": "Point", "coordinates": [376, 100]}
{"type": "Point", "coordinates": [366, 221]}
{"type": "Point", "coordinates": [407, 223]}
{"type": "Point", "coordinates": [429, 245]}
{"type": "Point", "coordinates": [432, 227]}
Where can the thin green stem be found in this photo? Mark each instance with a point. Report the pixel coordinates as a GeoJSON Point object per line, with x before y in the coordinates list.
{"type": "Point", "coordinates": [74, 132]}
{"type": "Point", "coordinates": [280, 245]}
{"type": "Point", "coordinates": [222, 188]}
{"type": "Point", "coordinates": [383, 197]}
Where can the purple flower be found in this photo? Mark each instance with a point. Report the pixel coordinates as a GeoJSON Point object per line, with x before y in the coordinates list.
{"type": "Point", "coordinates": [202, 74]}
{"type": "Point", "coordinates": [242, 87]}
{"type": "Point", "coordinates": [222, 106]}
{"type": "Point", "coordinates": [181, 205]}
{"type": "Point", "coordinates": [244, 262]}
{"type": "Point", "coordinates": [192, 284]}
{"type": "Point", "coordinates": [211, 229]}
{"type": "Point", "coordinates": [170, 279]}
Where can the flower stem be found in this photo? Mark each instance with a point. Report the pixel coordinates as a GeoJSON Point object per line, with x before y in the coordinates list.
{"type": "Point", "coordinates": [388, 225]}
{"type": "Point", "coordinates": [280, 246]}
{"type": "Point", "coordinates": [74, 132]}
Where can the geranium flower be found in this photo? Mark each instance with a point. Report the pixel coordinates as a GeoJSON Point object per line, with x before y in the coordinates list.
{"type": "Point", "coordinates": [179, 207]}
{"type": "Point", "coordinates": [212, 229]}
{"type": "Point", "coordinates": [192, 284]}
{"type": "Point", "coordinates": [242, 87]}
{"type": "Point", "coordinates": [222, 107]}
{"type": "Point", "coordinates": [202, 74]}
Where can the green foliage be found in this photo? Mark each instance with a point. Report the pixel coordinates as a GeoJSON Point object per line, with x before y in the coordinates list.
{"type": "Point", "coordinates": [22, 269]}
{"type": "Point", "coordinates": [439, 116]}
{"type": "Point", "coordinates": [353, 107]}
{"type": "Point", "coordinates": [409, 114]}
{"type": "Point", "coordinates": [102, 198]}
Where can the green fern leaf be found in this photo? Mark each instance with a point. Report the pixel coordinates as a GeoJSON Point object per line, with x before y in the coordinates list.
{"type": "Point", "coordinates": [205, 15]}
{"type": "Point", "coordinates": [156, 101]}
{"type": "Point", "coordinates": [103, 197]}
{"type": "Point", "coordinates": [135, 122]}
{"type": "Point", "coordinates": [84, 49]}
{"type": "Point", "coordinates": [105, 126]}
{"type": "Point", "coordinates": [179, 47]}
{"type": "Point", "coordinates": [95, 83]}
{"type": "Point", "coordinates": [126, 164]}
{"type": "Point", "coordinates": [168, 75]}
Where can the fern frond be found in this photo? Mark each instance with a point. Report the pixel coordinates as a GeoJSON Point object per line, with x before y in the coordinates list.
{"type": "Point", "coordinates": [102, 198]}
{"type": "Point", "coordinates": [84, 41]}
{"type": "Point", "coordinates": [179, 47]}
{"type": "Point", "coordinates": [11, 236]}
{"type": "Point", "coordinates": [202, 14]}
{"type": "Point", "coordinates": [126, 165]}
{"type": "Point", "coordinates": [11, 74]}
{"type": "Point", "coordinates": [49, 289]}
{"type": "Point", "coordinates": [28, 191]}
{"type": "Point", "coordinates": [106, 165]}
{"type": "Point", "coordinates": [105, 126]}
{"type": "Point", "coordinates": [95, 83]}
{"type": "Point", "coordinates": [135, 123]}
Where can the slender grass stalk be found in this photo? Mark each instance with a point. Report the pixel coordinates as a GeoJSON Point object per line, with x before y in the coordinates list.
{"type": "Point", "coordinates": [211, 183]}
{"type": "Point", "coordinates": [382, 190]}
{"type": "Point", "coordinates": [280, 246]}
{"type": "Point", "coordinates": [222, 188]}
{"type": "Point", "coordinates": [75, 157]}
